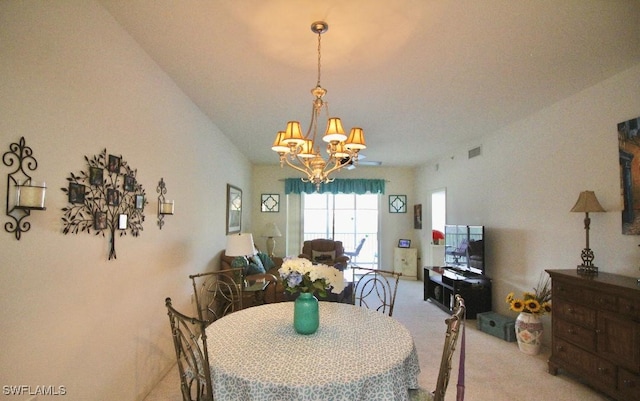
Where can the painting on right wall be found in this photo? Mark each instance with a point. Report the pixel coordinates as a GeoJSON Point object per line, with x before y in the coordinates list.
{"type": "Point", "coordinates": [629, 155]}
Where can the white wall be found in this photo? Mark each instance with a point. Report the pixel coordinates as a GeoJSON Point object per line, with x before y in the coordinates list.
{"type": "Point", "coordinates": [72, 82]}
{"type": "Point", "coordinates": [529, 177]}
{"type": "Point", "coordinates": [270, 179]}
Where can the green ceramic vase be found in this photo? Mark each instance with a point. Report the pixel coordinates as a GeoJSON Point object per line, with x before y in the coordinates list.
{"type": "Point", "coordinates": [306, 317]}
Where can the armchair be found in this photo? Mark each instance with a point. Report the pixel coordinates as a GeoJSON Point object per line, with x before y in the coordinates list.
{"type": "Point", "coordinates": [325, 251]}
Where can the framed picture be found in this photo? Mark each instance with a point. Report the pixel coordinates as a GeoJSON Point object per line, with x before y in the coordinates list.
{"type": "Point", "coordinates": [113, 197]}
{"type": "Point", "coordinates": [628, 154]}
{"type": "Point", "coordinates": [100, 221]}
{"type": "Point", "coordinates": [397, 203]}
{"type": "Point", "coordinates": [122, 222]}
{"type": "Point", "coordinates": [114, 164]}
{"type": "Point", "coordinates": [76, 193]}
{"type": "Point", "coordinates": [417, 217]}
{"type": "Point", "coordinates": [234, 209]}
{"type": "Point", "coordinates": [270, 203]}
{"type": "Point", "coordinates": [95, 176]}
{"type": "Point", "coordinates": [129, 183]}
{"type": "Point", "coordinates": [139, 201]}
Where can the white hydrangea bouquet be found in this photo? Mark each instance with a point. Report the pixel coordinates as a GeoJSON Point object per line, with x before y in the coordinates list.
{"type": "Point", "coordinates": [300, 275]}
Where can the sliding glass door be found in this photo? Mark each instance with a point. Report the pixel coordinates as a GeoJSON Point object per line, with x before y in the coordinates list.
{"type": "Point", "coordinates": [348, 218]}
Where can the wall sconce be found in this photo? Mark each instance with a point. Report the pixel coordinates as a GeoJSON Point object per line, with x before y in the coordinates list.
{"type": "Point", "coordinates": [165, 207]}
{"type": "Point", "coordinates": [587, 202]}
{"type": "Point", "coordinates": [23, 194]}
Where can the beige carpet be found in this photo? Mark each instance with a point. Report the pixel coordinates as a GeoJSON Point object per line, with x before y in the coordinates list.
{"type": "Point", "coordinates": [495, 369]}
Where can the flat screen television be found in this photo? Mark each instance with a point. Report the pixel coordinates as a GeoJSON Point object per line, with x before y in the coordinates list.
{"type": "Point", "coordinates": [464, 248]}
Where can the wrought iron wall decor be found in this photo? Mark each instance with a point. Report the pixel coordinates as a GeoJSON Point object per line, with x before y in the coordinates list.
{"type": "Point", "coordinates": [104, 197]}
{"type": "Point", "coordinates": [23, 195]}
{"type": "Point", "coordinates": [165, 207]}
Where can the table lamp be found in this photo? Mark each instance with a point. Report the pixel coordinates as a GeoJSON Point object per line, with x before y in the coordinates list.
{"type": "Point", "coordinates": [271, 231]}
{"type": "Point", "coordinates": [240, 245]}
{"type": "Point", "coordinates": [587, 203]}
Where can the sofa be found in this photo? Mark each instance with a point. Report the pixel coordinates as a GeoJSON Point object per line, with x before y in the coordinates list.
{"type": "Point", "coordinates": [275, 291]}
{"type": "Point", "coordinates": [325, 251]}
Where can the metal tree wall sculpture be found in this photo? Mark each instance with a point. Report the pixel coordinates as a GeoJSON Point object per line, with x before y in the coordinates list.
{"type": "Point", "coordinates": [104, 197]}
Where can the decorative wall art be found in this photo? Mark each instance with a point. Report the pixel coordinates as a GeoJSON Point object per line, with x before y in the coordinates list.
{"type": "Point", "coordinates": [270, 203]}
{"type": "Point", "coordinates": [104, 197]}
{"type": "Point", "coordinates": [417, 217]}
{"type": "Point", "coordinates": [234, 209]}
{"type": "Point", "coordinates": [23, 194]}
{"type": "Point", "coordinates": [397, 203]}
{"type": "Point", "coordinates": [629, 157]}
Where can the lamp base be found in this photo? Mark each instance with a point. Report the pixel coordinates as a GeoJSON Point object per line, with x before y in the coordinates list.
{"type": "Point", "coordinates": [589, 270]}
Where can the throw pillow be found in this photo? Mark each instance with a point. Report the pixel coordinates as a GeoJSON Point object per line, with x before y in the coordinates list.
{"type": "Point", "coordinates": [255, 266]}
{"type": "Point", "coordinates": [323, 257]}
{"type": "Point", "coordinates": [266, 261]}
{"type": "Point", "coordinates": [239, 261]}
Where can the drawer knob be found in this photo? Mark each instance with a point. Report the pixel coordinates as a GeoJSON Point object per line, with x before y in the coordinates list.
{"type": "Point", "coordinates": [602, 370]}
{"type": "Point", "coordinates": [570, 310]}
{"type": "Point", "coordinates": [570, 331]}
{"type": "Point", "coordinates": [629, 383]}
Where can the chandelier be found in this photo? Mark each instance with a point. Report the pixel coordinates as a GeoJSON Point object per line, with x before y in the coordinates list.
{"type": "Point", "coordinates": [303, 152]}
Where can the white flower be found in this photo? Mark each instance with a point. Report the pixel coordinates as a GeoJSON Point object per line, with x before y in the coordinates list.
{"type": "Point", "coordinates": [299, 274]}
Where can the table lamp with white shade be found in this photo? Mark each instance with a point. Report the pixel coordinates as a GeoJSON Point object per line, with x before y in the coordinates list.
{"type": "Point", "coordinates": [271, 231]}
{"type": "Point", "coordinates": [240, 245]}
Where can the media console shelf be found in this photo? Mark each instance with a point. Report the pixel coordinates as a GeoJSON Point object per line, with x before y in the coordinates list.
{"type": "Point", "coordinates": [441, 290]}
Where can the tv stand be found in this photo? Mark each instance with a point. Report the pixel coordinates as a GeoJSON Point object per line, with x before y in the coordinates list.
{"type": "Point", "coordinates": [442, 284]}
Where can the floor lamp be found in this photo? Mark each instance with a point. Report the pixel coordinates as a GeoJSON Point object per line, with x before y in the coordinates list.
{"type": "Point", "coordinates": [587, 203]}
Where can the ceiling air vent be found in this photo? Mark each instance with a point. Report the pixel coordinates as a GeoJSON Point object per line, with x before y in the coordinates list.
{"type": "Point", "coordinates": [474, 152]}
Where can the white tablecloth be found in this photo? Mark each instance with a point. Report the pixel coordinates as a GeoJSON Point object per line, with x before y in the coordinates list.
{"type": "Point", "coordinates": [356, 354]}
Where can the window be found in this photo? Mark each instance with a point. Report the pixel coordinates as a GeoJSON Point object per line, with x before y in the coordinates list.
{"type": "Point", "coordinates": [344, 217]}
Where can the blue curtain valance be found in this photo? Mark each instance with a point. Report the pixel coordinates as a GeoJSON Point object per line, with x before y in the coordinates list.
{"type": "Point", "coordinates": [344, 186]}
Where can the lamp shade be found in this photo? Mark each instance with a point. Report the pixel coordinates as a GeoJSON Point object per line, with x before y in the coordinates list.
{"type": "Point", "coordinates": [271, 230]}
{"type": "Point", "coordinates": [240, 245]}
{"type": "Point", "coordinates": [587, 203]}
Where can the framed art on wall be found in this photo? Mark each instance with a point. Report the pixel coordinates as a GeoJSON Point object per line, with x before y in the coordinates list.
{"type": "Point", "coordinates": [397, 203]}
{"type": "Point", "coordinates": [270, 203]}
{"type": "Point", "coordinates": [234, 209]}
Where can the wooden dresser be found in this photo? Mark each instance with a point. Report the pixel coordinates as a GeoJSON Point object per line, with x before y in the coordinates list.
{"type": "Point", "coordinates": [596, 331]}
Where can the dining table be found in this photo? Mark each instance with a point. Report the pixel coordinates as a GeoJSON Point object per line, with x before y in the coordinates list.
{"type": "Point", "coordinates": [356, 354]}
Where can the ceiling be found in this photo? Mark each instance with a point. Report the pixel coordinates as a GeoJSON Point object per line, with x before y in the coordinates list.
{"type": "Point", "coordinates": [422, 77]}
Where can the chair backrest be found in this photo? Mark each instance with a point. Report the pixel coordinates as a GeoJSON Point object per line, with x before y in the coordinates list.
{"type": "Point", "coordinates": [454, 326]}
{"type": "Point", "coordinates": [217, 293]}
{"type": "Point", "coordinates": [375, 289]}
{"type": "Point", "coordinates": [190, 341]}
{"type": "Point", "coordinates": [356, 252]}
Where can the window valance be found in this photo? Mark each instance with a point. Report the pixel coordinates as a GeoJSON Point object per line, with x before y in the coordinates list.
{"type": "Point", "coordinates": [344, 186]}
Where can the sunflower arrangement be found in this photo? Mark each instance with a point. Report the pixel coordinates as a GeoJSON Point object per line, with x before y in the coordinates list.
{"type": "Point", "coordinates": [537, 302]}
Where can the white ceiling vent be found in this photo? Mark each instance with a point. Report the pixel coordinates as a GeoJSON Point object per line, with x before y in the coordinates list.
{"type": "Point", "coordinates": [474, 152]}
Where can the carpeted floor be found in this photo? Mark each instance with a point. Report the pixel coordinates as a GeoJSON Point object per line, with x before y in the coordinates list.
{"type": "Point", "coordinates": [495, 369]}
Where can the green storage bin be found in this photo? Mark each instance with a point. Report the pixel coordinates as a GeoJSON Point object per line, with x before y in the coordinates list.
{"type": "Point", "coordinates": [497, 325]}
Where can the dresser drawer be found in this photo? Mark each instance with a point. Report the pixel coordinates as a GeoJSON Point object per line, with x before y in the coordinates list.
{"type": "Point", "coordinates": [575, 313]}
{"type": "Point", "coordinates": [629, 307]}
{"type": "Point", "coordinates": [606, 302]}
{"type": "Point", "coordinates": [629, 385]}
{"type": "Point", "coordinates": [590, 366]}
{"type": "Point", "coordinates": [571, 292]}
{"type": "Point", "coordinates": [578, 335]}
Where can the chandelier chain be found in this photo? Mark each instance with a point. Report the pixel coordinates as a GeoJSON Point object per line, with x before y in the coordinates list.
{"type": "Point", "coordinates": [319, 56]}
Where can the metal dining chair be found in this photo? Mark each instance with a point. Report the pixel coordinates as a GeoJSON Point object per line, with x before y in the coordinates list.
{"type": "Point", "coordinates": [190, 341]}
{"type": "Point", "coordinates": [455, 324]}
{"type": "Point", "coordinates": [375, 289]}
{"type": "Point", "coordinates": [217, 293]}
